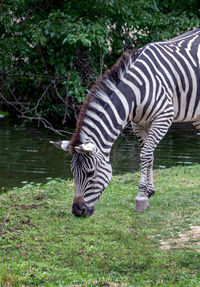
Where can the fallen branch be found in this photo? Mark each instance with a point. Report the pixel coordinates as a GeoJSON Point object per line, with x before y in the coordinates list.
{"type": "Point", "coordinates": [6, 219]}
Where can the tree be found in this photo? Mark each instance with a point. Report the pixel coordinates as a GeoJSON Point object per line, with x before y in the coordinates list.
{"type": "Point", "coordinates": [52, 51]}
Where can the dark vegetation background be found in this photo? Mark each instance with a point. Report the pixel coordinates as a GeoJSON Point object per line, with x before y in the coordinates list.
{"type": "Point", "coordinates": [52, 51]}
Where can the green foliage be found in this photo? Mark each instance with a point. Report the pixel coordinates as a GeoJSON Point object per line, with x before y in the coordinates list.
{"type": "Point", "coordinates": [52, 51]}
{"type": "Point", "coordinates": [43, 244]}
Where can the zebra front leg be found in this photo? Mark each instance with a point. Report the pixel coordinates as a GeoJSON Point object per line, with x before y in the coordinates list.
{"type": "Point", "coordinates": [141, 132]}
{"type": "Point", "coordinates": [150, 184]}
{"type": "Point", "coordinates": [145, 190]}
{"type": "Point", "coordinates": [157, 131]}
{"type": "Point", "coordinates": [142, 199]}
{"type": "Point", "coordinates": [146, 186]}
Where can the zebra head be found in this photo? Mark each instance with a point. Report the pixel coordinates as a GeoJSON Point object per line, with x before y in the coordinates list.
{"type": "Point", "coordinates": [92, 173]}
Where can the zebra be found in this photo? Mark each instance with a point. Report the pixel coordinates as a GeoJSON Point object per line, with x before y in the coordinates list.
{"type": "Point", "coordinates": [151, 87]}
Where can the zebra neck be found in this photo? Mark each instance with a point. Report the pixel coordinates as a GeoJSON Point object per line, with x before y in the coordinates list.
{"type": "Point", "coordinates": [100, 134]}
{"type": "Point", "coordinates": [105, 119]}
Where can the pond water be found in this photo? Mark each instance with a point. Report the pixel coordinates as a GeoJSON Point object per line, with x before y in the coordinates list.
{"type": "Point", "coordinates": [27, 156]}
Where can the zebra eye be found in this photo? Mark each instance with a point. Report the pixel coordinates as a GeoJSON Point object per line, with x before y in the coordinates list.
{"type": "Point", "coordinates": [91, 173]}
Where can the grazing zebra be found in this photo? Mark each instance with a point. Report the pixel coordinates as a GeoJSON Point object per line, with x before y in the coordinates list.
{"type": "Point", "coordinates": [151, 87]}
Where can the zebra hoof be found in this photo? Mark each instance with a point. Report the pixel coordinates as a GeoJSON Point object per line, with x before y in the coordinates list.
{"type": "Point", "coordinates": [142, 202]}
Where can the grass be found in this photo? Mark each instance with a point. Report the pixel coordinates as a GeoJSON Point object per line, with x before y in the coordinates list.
{"type": "Point", "coordinates": [43, 244]}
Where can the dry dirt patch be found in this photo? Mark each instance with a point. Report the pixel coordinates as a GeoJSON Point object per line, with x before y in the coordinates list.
{"type": "Point", "coordinates": [184, 239]}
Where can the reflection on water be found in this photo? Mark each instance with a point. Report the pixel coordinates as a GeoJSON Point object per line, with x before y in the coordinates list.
{"type": "Point", "coordinates": [27, 156]}
{"type": "Point", "coordinates": [177, 148]}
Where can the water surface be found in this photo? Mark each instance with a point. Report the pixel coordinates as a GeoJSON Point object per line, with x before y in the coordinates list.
{"type": "Point", "coordinates": [27, 156]}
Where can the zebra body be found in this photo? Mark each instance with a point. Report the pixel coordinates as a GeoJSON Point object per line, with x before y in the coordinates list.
{"type": "Point", "coordinates": [153, 87]}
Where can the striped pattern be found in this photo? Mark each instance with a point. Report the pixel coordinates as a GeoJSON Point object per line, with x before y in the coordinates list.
{"type": "Point", "coordinates": [92, 174]}
{"type": "Point", "coordinates": [158, 84]}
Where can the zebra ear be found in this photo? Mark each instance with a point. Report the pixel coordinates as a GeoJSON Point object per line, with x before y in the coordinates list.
{"type": "Point", "coordinates": [64, 145]}
{"type": "Point", "coordinates": [86, 148]}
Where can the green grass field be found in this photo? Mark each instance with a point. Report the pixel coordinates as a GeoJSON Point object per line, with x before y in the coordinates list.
{"type": "Point", "coordinates": [43, 244]}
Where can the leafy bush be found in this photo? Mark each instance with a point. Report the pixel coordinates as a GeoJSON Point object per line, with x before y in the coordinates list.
{"type": "Point", "coordinates": [52, 51]}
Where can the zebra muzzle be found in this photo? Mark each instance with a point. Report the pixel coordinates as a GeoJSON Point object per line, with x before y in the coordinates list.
{"type": "Point", "coordinates": [80, 209]}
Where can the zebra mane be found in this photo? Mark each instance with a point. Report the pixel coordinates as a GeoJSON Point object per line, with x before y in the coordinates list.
{"type": "Point", "coordinates": [110, 77]}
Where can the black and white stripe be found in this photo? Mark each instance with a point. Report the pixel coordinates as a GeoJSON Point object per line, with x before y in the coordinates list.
{"type": "Point", "coordinates": [152, 88]}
